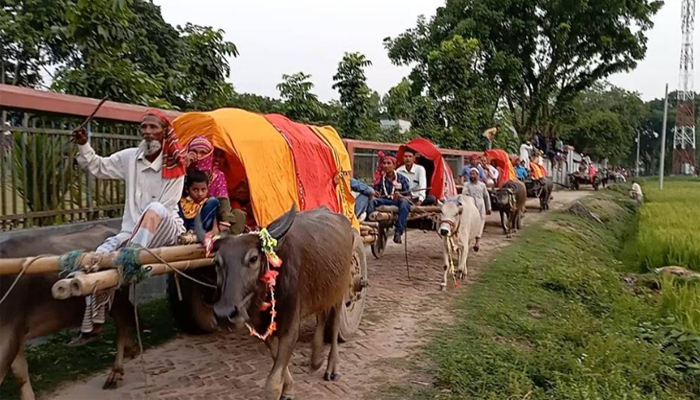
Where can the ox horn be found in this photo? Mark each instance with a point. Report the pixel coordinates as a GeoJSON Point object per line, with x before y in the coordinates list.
{"type": "Point", "coordinates": [279, 227]}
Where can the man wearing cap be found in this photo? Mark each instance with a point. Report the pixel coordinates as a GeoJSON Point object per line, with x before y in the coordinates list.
{"type": "Point", "coordinates": [417, 179]}
{"type": "Point", "coordinates": [392, 189]}
{"type": "Point", "coordinates": [153, 175]}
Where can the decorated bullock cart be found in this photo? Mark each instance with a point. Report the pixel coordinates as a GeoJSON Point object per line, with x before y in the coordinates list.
{"type": "Point", "coordinates": [441, 186]}
{"type": "Point", "coordinates": [283, 163]}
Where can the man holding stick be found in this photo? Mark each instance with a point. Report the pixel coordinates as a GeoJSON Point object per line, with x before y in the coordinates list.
{"type": "Point", "coordinates": [153, 174]}
{"type": "Point", "coordinates": [393, 189]}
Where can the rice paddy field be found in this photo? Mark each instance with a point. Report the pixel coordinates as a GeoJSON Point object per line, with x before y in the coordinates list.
{"type": "Point", "coordinates": [669, 225]}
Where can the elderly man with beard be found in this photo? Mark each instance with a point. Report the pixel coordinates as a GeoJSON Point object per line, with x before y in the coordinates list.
{"type": "Point", "coordinates": [153, 174]}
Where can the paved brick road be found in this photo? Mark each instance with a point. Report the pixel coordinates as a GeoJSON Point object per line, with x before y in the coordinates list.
{"type": "Point", "coordinates": [399, 316]}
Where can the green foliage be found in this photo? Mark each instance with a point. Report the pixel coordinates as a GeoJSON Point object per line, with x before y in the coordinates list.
{"type": "Point", "coordinates": [602, 122]}
{"type": "Point", "coordinates": [397, 101]}
{"type": "Point", "coordinates": [45, 176]}
{"type": "Point", "coordinates": [538, 54]}
{"type": "Point", "coordinates": [299, 103]}
{"type": "Point", "coordinates": [120, 48]}
{"type": "Point", "coordinates": [29, 39]}
{"type": "Point", "coordinates": [668, 222]}
{"type": "Point", "coordinates": [256, 103]}
{"type": "Point", "coordinates": [552, 318]}
{"type": "Point", "coordinates": [204, 67]}
{"type": "Point", "coordinates": [358, 102]}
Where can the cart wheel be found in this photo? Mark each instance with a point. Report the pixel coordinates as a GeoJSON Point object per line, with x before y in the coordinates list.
{"type": "Point", "coordinates": [380, 244]}
{"type": "Point", "coordinates": [195, 313]}
{"type": "Point", "coordinates": [354, 306]}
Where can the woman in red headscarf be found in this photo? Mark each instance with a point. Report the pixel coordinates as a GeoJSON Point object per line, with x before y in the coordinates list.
{"type": "Point", "coordinates": [200, 156]}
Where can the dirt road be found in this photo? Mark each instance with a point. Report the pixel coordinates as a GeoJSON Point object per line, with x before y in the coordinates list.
{"type": "Point", "coordinates": [399, 317]}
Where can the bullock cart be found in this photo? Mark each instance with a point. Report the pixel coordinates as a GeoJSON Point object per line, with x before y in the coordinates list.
{"type": "Point", "coordinates": [280, 163]}
{"type": "Point", "coordinates": [441, 186]}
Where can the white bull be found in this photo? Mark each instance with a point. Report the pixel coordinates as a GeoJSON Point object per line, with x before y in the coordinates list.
{"type": "Point", "coordinates": [460, 223]}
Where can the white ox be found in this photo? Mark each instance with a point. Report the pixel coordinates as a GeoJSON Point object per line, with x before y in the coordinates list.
{"type": "Point", "coordinates": [460, 223]}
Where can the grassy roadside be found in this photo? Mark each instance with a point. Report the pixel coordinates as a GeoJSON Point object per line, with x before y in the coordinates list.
{"type": "Point", "coordinates": [52, 362]}
{"type": "Point", "coordinates": [668, 233]}
{"type": "Point", "coordinates": [557, 316]}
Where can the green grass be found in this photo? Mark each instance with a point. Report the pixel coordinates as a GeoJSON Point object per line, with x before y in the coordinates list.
{"type": "Point", "coordinates": [554, 318]}
{"type": "Point", "coordinates": [52, 363]}
{"type": "Point", "coordinates": [669, 225]}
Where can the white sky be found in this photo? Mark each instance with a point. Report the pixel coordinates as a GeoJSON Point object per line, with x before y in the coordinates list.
{"type": "Point", "coordinates": [276, 37]}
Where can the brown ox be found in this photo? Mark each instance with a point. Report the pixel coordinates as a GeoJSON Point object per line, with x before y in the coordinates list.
{"type": "Point", "coordinates": [30, 310]}
{"type": "Point", "coordinates": [316, 250]}
{"type": "Point", "coordinates": [509, 201]}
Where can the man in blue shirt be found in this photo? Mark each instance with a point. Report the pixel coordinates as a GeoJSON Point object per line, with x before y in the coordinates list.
{"type": "Point", "coordinates": [365, 195]}
{"type": "Point", "coordinates": [473, 163]}
{"type": "Point", "coordinates": [520, 171]}
{"type": "Point", "coordinates": [393, 189]}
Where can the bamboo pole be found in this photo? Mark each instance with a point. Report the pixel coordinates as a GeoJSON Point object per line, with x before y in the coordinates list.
{"type": "Point", "coordinates": [85, 284]}
{"type": "Point", "coordinates": [49, 264]}
{"type": "Point", "coordinates": [61, 289]}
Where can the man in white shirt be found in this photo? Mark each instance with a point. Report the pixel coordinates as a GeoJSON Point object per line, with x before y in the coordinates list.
{"type": "Point", "coordinates": [416, 176]}
{"type": "Point", "coordinates": [525, 150]}
{"type": "Point", "coordinates": [153, 174]}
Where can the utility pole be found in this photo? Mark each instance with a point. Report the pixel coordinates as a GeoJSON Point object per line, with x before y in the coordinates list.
{"type": "Point", "coordinates": [637, 164]}
{"type": "Point", "coordinates": [663, 141]}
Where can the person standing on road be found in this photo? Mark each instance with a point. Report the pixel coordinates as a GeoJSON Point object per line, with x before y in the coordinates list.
{"type": "Point", "coordinates": [477, 190]}
{"type": "Point", "coordinates": [416, 176]}
{"type": "Point", "coordinates": [154, 176]}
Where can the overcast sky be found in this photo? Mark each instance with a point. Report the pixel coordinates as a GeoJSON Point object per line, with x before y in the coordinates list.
{"type": "Point", "coordinates": [276, 37]}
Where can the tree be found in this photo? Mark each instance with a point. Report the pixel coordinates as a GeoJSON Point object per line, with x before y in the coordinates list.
{"type": "Point", "coordinates": [602, 122]}
{"type": "Point", "coordinates": [256, 103]}
{"type": "Point", "coordinates": [29, 39]}
{"type": "Point", "coordinates": [205, 67]}
{"type": "Point", "coordinates": [299, 103]}
{"type": "Point", "coordinates": [537, 54]}
{"type": "Point", "coordinates": [397, 102]}
{"type": "Point", "coordinates": [355, 97]}
{"type": "Point", "coordinates": [120, 48]}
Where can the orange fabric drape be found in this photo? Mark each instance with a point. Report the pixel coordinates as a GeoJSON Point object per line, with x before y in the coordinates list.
{"type": "Point", "coordinates": [258, 146]}
{"type": "Point", "coordinates": [503, 162]}
{"type": "Point", "coordinates": [537, 171]}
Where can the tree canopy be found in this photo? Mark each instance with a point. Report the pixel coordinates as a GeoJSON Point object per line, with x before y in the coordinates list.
{"type": "Point", "coordinates": [534, 66]}
{"type": "Point", "coordinates": [536, 54]}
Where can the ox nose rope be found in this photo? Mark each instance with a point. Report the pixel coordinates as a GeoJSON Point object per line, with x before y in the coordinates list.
{"type": "Point", "coordinates": [14, 283]}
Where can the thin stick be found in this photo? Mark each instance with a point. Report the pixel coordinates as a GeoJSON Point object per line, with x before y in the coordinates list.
{"type": "Point", "coordinates": [88, 119]}
{"type": "Point", "coordinates": [405, 250]}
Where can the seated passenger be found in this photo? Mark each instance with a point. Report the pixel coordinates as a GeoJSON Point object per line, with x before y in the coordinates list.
{"type": "Point", "coordinates": [198, 201]}
{"type": "Point", "coordinates": [201, 157]}
{"type": "Point", "coordinates": [521, 171]}
{"type": "Point", "coordinates": [416, 176]}
{"type": "Point", "coordinates": [365, 194]}
{"type": "Point", "coordinates": [240, 201]}
{"type": "Point", "coordinates": [393, 189]}
{"type": "Point", "coordinates": [492, 173]}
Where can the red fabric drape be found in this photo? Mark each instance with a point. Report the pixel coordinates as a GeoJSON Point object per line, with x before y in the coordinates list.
{"type": "Point", "coordinates": [314, 162]}
{"type": "Point", "coordinates": [442, 184]}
